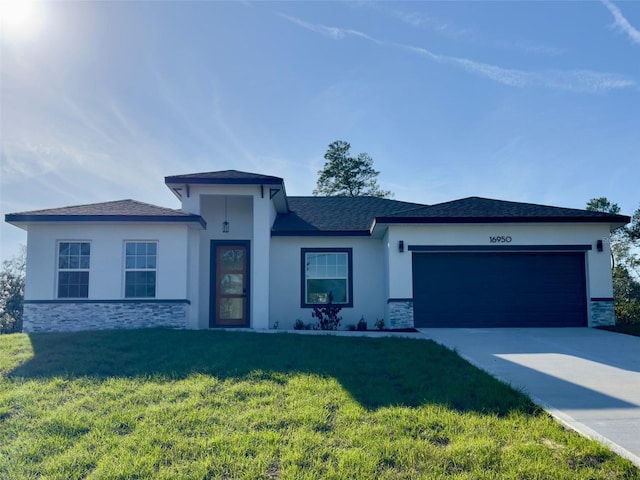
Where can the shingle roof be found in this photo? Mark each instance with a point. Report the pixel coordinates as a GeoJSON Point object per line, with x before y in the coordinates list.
{"type": "Point", "coordinates": [229, 177]}
{"type": "Point", "coordinates": [477, 209]}
{"type": "Point", "coordinates": [120, 210]}
{"type": "Point", "coordinates": [332, 215]}
{"type": "Point", "coordinates": [356, 215]}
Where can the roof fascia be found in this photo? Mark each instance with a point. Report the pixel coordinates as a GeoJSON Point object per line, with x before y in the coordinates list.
{"type": "Point", "coordinates": [14, 219]}
{"type": "Point", "coordinates": [320, 233]}
{"type": "Point", "coordinates": [617, 220]}
{"type": "Point", "coordinates": [177, 180]}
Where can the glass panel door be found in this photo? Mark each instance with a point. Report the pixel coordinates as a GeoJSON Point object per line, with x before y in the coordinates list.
{"type": "Point", "coordinates": [230, 301]}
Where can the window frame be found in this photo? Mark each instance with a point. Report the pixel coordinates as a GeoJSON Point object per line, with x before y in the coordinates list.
{"type": "Point", "coordinates": [303, 276]}
{"type": "Point", "coordinates": [126, 269]}
{"type": "Point", "coordinates": [60, 270]}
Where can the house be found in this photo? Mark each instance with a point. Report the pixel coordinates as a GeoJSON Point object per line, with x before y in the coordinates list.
{"type": "Point", "coordinates": [242, 253]}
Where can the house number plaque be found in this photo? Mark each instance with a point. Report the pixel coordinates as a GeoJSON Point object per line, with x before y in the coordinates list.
{"type": "Point", "coordinates": [500, 239]}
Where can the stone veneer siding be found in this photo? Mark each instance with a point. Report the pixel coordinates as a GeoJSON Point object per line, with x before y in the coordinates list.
{"type": "Point", "coordinates": [400, 313]}
{"type": "Point", "coordinates": [602, 313]}
{"type": "Point", "coordinates": [56, 316]}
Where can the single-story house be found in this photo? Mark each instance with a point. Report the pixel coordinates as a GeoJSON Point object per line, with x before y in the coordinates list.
{"type": "Point", "coordinates": [242, 253]}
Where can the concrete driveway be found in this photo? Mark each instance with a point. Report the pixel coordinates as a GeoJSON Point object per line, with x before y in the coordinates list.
{"type": "Point", "coordinates": [588, 379]}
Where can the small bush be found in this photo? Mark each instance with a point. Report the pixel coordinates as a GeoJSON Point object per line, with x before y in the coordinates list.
{"type": "Point", "coordinates": [351, 327]}
{"type": "Point", "coordinates": [12, 275]}
{"type": "Point", "coordinates": [379, 324]}
{"type": "Point", "coordinates": [300, 325]}
{"type": "Point", "coordinates": [362, 324]}
{"type": "Point", "coordinates": [327, 315]}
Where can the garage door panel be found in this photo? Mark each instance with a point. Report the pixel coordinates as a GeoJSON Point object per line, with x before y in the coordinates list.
{"type": "Point", "coordinates": [499, 289]}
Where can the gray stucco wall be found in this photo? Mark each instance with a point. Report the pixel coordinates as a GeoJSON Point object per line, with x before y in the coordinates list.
{"type": "Point", "coordinates": [73, 317]}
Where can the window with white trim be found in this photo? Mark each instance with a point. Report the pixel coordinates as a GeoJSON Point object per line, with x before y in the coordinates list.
{"type": "Point", "coordinates": [326, 272]}
{"type": "Point", "coordinates": [73, 269]}
{"type": "Point", "coordinates": [140, 269]}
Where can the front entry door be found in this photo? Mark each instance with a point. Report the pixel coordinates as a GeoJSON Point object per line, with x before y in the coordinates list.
{"type": "Point", "coordinates": [229, 296]}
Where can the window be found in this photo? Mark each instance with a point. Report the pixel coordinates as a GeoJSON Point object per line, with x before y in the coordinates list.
{"type": "Point", "coordinates": [324, 271]}
{"type": "Point", "coordinates": [140, 269]}
{"type": "Point", "coordinates": [73, 269]}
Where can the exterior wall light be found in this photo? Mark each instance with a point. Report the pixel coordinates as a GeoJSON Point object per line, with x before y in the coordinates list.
{"type": "Point", "coordinates": [225, 224]}
{"type": "Point", "coordinates": [401, 246]}
{"type": "Point", "coordinates": [599, 245]}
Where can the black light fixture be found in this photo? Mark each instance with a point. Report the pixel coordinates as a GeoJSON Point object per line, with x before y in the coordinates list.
{"type": "Point", "coordinates": [599, 245]}
{"type": "Point", "coordinates": [401, 246]}
{"type": "Point", "coordinates": [225, 224]}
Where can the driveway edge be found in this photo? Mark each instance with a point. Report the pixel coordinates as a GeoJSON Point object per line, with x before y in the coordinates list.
{"type": "Point", "coordinates": [562, 418]}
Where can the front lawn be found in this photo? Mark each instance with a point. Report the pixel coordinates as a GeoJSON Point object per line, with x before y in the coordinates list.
{"type": "Point", "coordinates": [219, 404]}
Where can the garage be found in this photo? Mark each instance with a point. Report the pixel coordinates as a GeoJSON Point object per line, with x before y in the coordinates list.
{"type": "Point", "coordinates": [499, 289]}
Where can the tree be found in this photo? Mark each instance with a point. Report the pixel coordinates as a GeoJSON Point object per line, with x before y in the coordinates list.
{"type": "Point", "coordinates": [343, 175]}
{"type": "Point", "coordinates": [12, 292]}
{"type": "Point", "coordinates": [625, 241]}
{"type": "Point", "coordinates": [625, 262]}
{"type": "Point", "coordinates": [603, 204]}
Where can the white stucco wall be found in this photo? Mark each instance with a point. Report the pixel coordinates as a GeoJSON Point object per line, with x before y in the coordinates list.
{"type": "Point", "coordinates": [250, 213]}
{"type": "Point", "coordinates": [598, 264]}
{"type": "Point", "coordinates": [240, 218]}
{"type": "Point", "coordinates": [106, 274]}
{"type": "Point", "coordinates": [368, 279]}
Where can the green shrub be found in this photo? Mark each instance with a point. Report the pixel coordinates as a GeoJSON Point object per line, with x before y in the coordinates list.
{"type": "Point", "coordinates": [627, 313]}
{"type": "Point", "coordinates": [327, 315]}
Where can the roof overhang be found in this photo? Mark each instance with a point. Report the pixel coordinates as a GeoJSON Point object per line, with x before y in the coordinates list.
{"type": "Point", "coordinates": [182, 179]}
{"type": "Point", "coordinates": [380, 224]}
{"type": "Point", "coordinates": [180, 186]}
{"type": "Point", "coordinates": [23, 220]}
{"type": "Point", "coordinates": [320, 233]}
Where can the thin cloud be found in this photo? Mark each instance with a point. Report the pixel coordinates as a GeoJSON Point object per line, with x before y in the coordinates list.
{"type": "Point", "coordinates": [622, 23]}
{"type": "Point", "coordinates": [335, 33]}
{"type": "Point", "coordinates": [586, 81]}
{"type": "Point", "coordinates": [455, 32]}
{"type": "Point", "coordinates": [443, 27]}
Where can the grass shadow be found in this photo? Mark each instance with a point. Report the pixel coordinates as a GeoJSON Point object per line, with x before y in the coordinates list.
{"type": "Point", "coordinates": [377, 372]}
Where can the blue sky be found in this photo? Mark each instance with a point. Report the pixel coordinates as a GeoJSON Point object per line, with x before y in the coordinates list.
{"type": "Point", "coordinates": [535, 102]}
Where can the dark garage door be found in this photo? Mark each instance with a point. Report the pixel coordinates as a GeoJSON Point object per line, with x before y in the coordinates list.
{"type": "Point", "coordinates": [490, 289]}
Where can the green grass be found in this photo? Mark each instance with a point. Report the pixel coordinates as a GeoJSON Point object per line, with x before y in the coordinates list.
{"type": "Point", "coordinates": [218, 404]}
{"type": "Point", "coordinates": [633, 329]}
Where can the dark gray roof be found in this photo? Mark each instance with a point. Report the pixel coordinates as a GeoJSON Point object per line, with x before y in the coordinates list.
{"type": "Point", "coordinates": [477, 209]}
{"type": "Point", "coordinates": [356, 215]}
{"type": "Point", "coordinates": [118, 211]}
{"type": "Point", "coordinates": [228, 177]}
{"type": "Point", "coordinates": [335, 215]}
